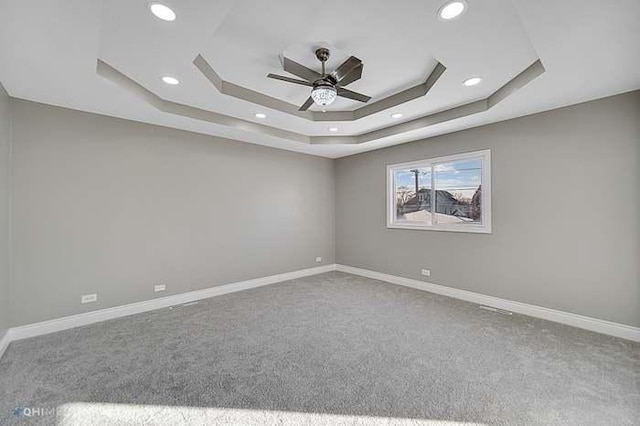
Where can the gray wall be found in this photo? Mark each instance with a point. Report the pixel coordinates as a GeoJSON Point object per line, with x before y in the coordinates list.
{"type": "Point", "coordinates": [566, 228]}
{"type": "Point", "coordinates": [109, 206]}
{"type": "Point", "coordinates": [112, 206]}
{"type": "Point", "coordinates": [5, 134]}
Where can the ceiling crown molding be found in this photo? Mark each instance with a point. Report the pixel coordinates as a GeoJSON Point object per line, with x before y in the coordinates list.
{"type": "Point", "coordinates": [115, 76]}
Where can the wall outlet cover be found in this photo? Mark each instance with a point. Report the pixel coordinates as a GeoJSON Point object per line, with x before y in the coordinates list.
{"type": "Point", "coordinates": [426, 272]}
{"type": "Point", "coordinates": [318, 259]}
{"type": "Point", "coordinates": [89, 298]}
{"type": "Point", "coordinates": [159, 287]}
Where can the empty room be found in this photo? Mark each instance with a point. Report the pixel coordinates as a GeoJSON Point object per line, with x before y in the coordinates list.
{"type": "Point", "coordinates": [237, 212]}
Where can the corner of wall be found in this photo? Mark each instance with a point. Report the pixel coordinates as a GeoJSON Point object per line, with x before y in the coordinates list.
{"type": "Point", "coordinates": [6, 140]}
{"type": "Point", "coordinates": [334, 163]}
{"type": "Point", "coordinates": [9, 222]}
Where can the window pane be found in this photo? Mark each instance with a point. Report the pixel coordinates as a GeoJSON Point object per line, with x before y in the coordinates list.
{"type": "Point", "coordinates": [458, 192]}
{"type": "Point", "coordinates": [413, 196]}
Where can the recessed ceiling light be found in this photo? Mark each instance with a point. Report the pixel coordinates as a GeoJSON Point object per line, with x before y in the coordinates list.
{"type": "Point", "coordinates": [452, 10]}
{"type": "Point", "coordinates": [261, 115]}
{"type": "Point", "coordinates": [162, 11]}
{"type": "Point", "coordinates": [472, 81]}
{"type": "Point", "coordinates": [396, 115]}
{"type": "Point", "coordinates": [170, 80]}
{"type": "Point", "coordinates": [333, 129]}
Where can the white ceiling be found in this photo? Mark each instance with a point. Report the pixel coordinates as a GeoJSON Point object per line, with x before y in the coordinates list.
{"type": "Point", "coordinates": [49, 50]}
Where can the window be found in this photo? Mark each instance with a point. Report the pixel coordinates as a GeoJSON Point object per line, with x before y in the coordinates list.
{"type": "Point", "coordinates": [443, 194]}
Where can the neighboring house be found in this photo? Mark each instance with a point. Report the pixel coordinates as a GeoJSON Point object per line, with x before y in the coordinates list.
{"type": "Point", "coordinates": [446, 204]}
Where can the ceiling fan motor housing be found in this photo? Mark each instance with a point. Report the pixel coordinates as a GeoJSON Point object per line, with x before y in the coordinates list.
{"type": "Point", "coordinates": [324, 91]}
{"type": "Point", "coordinates": [323, 54]}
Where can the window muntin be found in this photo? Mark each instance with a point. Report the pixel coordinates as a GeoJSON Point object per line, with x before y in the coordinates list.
{"type": "Point", "coordinates": [447, 193]}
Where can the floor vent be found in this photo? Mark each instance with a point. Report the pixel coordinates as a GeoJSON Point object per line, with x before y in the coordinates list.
{"type": "Point", "coordinates": [496, 310]}
{"type": "Point", "coordinates": [184, 305]}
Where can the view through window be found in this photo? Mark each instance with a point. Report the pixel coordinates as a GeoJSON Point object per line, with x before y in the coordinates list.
{"type": "Point", "coordinates": [446, 193]}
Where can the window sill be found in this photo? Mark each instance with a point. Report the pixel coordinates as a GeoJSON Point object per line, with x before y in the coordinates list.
{"type": "Point", "coordinates": [479, 229]}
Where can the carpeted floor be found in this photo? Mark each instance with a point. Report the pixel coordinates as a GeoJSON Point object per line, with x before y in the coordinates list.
{"type": "Point", "coordinates": [328, 349]}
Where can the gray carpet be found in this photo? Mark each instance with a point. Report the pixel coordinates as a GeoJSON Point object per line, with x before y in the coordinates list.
{"type": "Point", "coordinates": [328, 349]}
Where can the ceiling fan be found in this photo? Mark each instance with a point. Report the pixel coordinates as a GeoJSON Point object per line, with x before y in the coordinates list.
{"type": "Point", "coordinates": [325, 87]}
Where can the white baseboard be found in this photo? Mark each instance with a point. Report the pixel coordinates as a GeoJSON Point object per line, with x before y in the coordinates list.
{"type": "Point", "coordinates": [65, 323]}
{"type": "Point", "coordinates": [580, 321]}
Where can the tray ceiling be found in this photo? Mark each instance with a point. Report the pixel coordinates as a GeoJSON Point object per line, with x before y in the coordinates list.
{"type": "Point", "coordinates": [109, 57]}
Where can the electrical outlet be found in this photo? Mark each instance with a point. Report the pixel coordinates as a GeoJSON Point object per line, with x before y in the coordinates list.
{"type": "Point", "coordinates": [159, 287]}
{"type": "Point", "coordinates": [318, 259]}
{"type": "Point", "coordinates": [426, 272]}
{"type": "Point", "coordinates": [89, 298]}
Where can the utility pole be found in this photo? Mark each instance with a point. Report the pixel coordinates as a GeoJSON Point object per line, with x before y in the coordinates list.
{"type": "Point", "coordinates": [416, 172]}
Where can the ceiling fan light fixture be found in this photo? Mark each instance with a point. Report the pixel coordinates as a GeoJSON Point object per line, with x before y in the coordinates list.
{"type": "Point", "coordinates": [162, 11]}
{"type": "Point", "coordinates": [452, 10]}
{"type": "Point", "coordinates": [324, 94]}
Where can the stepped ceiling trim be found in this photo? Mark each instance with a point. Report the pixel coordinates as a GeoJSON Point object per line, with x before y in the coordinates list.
{"type": "Point", "coordinates": [523, 78]}
{"type": "Point", "coordinates": [239, 92]}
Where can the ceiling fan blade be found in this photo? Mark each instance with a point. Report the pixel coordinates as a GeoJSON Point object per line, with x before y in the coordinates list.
{"type": "Point", "coordinates": [345, 68]}
{"type": "Point", "coordinates": [292, 67]}
{"type": "Point", "coordinates": [346, 93]}
{"type": "Point", "coordinates": [290, 80]}
{"type": "Point", "coordinates": [305, 106]}
{"type": "Point", "coordinates": [354, 75]}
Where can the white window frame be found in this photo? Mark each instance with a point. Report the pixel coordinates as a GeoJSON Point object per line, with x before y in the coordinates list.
{"type": "Point", "coordinates": [484, 227]}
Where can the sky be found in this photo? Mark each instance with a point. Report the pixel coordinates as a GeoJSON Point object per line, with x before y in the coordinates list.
{"type": "Point", "coordinates": [459, 176]}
